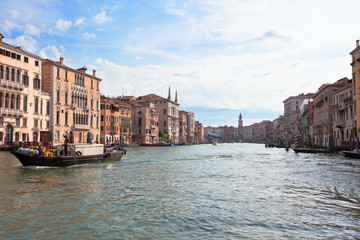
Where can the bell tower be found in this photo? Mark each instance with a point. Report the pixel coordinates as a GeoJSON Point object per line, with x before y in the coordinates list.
{"type": "Point", "coordinates": [240, 122]}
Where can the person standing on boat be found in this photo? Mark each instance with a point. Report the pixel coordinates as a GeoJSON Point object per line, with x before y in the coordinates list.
{"type": "Point", "coordinates": [66, 141]}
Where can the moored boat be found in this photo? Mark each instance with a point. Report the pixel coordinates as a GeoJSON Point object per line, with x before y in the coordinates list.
{"type": "Point", "coordinates": [311, 150]}
{"type": "Point", "coordinates": [155, 144]}
{"type": "Point", "coordinates": [351, 154]}
{"type": "Point", "coordinates": [68, 155]}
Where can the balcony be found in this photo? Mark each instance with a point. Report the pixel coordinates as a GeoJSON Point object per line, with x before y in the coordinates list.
{"type": "Point", "coordinates": [340, 124]}
{"type": "Point", "coordinates": [153, 126]}
{"type": "Point", "coordinates": [348, 100]}
{"type": "Point", "coordinates": [11, 84]}
{"type": "Point", "coordinates": [11, 112]}
{"type": "Point", "coordinates": [81, 127]}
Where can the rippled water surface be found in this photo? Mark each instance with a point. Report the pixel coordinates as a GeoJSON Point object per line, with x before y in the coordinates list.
{"type": "Point", "coordinates": [228, 191]}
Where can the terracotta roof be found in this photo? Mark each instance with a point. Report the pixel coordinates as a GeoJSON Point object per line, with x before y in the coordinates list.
{"type": "Point", "coordinates": [151, 97]}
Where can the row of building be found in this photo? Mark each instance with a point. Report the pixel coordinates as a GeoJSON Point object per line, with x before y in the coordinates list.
{"type": "Point", "coordinates": [42, 101]}
{"type": "Point", "coordinates": [328, 118]}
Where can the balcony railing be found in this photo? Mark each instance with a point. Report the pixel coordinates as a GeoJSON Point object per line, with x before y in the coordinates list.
{"type": "Point", "coordinates": [81, 127]}
{"type": "Point", "coordinates": [340, 124]}
{"type": "Point", "coordinates": [11, 112]}
{"type": "Point", "coordinates": [11, 84]}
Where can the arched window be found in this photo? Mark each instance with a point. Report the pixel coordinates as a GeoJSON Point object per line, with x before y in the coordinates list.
{"type": "Point", "coordinates": [17, 76]}
{"type": "Point", "coordinates": [12, 75]}
{"type": "Point", "coordinates": [17, 102]}
{"type": "Point", "coordinates": [7, 73]}
{"type": "Point", "coordinates": [58, 117]}
{"type": "Point", "coordinates": [58, 95]}
{"type": "Point", "coordinates": [36, 107]}
{"type": "Point", "coordinates": [6, 100]}
{"type": "Point", "coordinates": [66, 97]}
{"type": "Point", "coordinates": [25, 104]}
{"type": "Point", "coordinates": [47, 107]}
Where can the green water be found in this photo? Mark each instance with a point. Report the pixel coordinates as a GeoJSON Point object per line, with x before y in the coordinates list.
{"type": "Point", "coordinates": [228, 191]}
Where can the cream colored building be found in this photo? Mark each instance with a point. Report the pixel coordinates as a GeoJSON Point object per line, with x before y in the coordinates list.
{"type": "Point", "coordinates": [75, 102]}
{"type": "Point", "coordinates": [23, 104]}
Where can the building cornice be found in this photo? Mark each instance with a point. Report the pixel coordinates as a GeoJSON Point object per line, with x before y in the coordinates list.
{"type": "Point", "coordinates": [50, 62]}
{"type": "Point", "coordinates": [19, 50]}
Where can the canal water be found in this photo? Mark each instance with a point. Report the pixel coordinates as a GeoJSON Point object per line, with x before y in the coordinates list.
{"type": "Point", "coordinates": [228, 191]}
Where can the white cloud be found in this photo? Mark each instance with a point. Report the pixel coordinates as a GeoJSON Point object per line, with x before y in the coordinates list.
{"type": "Point", "coordinates": [80, 21]}
{"type": "Point", "coordinates": [31, 30]}
{"type": "Point", "coordinates": [25, 41]}
{"type": "Point", "coordinates": [14, 14]}
{"type": "Point", "coordinates": [52, 52]}
{"type": "Point", "coordinates": [101, 17]}
{"type": "Point", "coordinates": [89, 35]}
{"type": "Point", "coordinates": [8, 26]}
{"type": "Point", "coordinates": [63, 25]}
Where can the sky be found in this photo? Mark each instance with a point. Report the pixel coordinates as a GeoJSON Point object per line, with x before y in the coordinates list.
{"type": "Point", "coordinates": [223, 57]}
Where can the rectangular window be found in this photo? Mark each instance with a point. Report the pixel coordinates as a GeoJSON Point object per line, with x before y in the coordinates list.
{"type": "Point", "coordinates": [139, 121]}
{"type": "Point", "coordinates": [164, 111]}
{"type": "Point", "coordinates": [24, 122]}
{"type": "Point", "coordinates": [24, 138]}
{"type": "Point", "coordinates": [102, 118]}
{"type": "Point", "coordinates": [1, 136]}
{"type": "Point", "coordinates": [102, 128]}
{"type": "Point", "coordinates": [40, 124]}
{"type": "Point", "coordinates": [164, 123]}
{"type": "Point", "coordinates": [17, 122]}
{"type": "Point", "coordinates": [36, 63]}
{"type": "Point", "coordinates": [47, 124]}
{"type": "Point", "coordinates": [57, 135]}
{"type": "Point", "coordinates": [35, 123]}
{"type": "Point", "coordinates": [26, 59]}
{"type": "Point", "coordinates": [18, 57]}
{"type": "Point", "coordinates": [1, 122]}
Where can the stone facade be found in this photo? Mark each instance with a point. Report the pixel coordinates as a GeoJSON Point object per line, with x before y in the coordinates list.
{"type": "Point", "coordinates": [145, 121]}
{"type": "Point", "coordinates": [75, 102]}
{"type": "Point", "coordinates": [322, 127]}
{"type": "Point", "coordinates": [199, 132]}
{"type": "Point", "coordinates": [23, 104]}
{"type": "Point", "coordinates": [355, 64]}
{"type": "Point", "coordinates": [342, 114]}
{"type": "Point", "coordinates": [168, 111]}
{"type": "Point", "coordinates": [115, 121]}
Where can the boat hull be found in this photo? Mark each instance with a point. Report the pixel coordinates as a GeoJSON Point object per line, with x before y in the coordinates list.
{"type": "Point", "coordinates": [311, 150]}
{"type": "Point", "coordinates": [351, 154]}
{"type": "Point", "coordinates": [64, 161]}
{"type": "Point", "coordinates": [155, 145]}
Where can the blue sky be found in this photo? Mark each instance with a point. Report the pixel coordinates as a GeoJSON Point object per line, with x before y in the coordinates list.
{"type": "Point", "coordinates": [222, 56]}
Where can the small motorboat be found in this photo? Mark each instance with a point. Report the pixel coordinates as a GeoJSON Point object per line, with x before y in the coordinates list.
{"type": "Point", "coordinates": [69, 155]}
{"type": "Point", "coordinates": [155, 144]}
{"type": "Point", "coordinates": [311, 150]}
{"type": "Point", "coordinates": [351, 154]}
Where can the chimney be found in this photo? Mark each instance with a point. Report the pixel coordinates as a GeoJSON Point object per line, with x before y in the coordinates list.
{"type": "Point", "coordinates": [61, 61]}
{"type": "Point", "coordinates": [176, 100]}
{"type": "Point", "coordinates": [1, 37]}
{"type": "Point", "coordinates": [357, 43]}
{"type": "Point", "coordinates": [94, 73]}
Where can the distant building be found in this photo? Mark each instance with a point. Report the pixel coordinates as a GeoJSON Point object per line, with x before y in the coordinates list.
{"type": "Point", "coordinates": [145, 120]}
{"type": "Point", "coordinates": [343, 120]}
{"type": "Point", "coordinates": [278, 131]}
{"type": "Point", "coordinates": [199, 132]}
{"type": "Point", "coordinates": [355, 64]}
{"type": "Point", "coordinates": [322, 127]}
{"type": "Point", "coordinates": [168, 111]}
{"type": "Point", "coordinates": [115, 121]}
{"type": "Point", "coordinates": [291, 115]}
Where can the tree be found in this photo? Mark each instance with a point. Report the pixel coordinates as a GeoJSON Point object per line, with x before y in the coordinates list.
{"type": "Point", "coordinates": [163, 136]}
